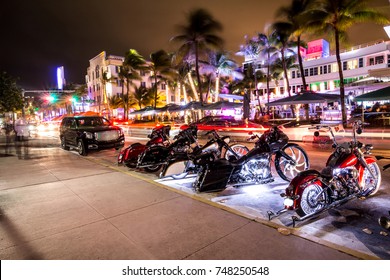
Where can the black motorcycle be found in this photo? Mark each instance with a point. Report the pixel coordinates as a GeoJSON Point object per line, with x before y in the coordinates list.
{"type": "Point", "coordinates": [255, 166]}
{"type": "Point", "coordinates": [153, 157]}
{"type": "Point", "coordinates": [180, 164]}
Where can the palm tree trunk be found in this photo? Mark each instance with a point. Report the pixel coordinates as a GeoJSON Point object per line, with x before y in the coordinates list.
{"type": "Point", "coordinates": [302, 75]}
{"type": "Point", "coordinates": [126, 103]}
{"type": "Point", "coordinates": [197, 73]}
{"type": "Point", "coordinates": [341, 76]}
{"type": "Point", "coordinates": [216, 88]}
{"type": "Point", "coordinates": [287, 86]}
{"type": "Point", "coordinates": [268, 78]}
{"type": "Point", "coordinates": [193, 86]}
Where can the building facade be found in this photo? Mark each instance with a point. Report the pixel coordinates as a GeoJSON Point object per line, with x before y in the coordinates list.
{"type": "Point", "coordinates": [365, 68]}
{"type": "Point", "coordinates": [103, 82]}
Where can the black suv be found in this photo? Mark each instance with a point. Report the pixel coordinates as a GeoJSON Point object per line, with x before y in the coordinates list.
{"type": "Point", "coordinates": [90, 133]}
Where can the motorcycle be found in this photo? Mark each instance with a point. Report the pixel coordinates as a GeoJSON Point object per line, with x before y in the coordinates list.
{"type": "Point", "coordinates": [153, 157]}
{"type": "Point", "coordinates": [350, 172]}
{"type": "Point", "coordinates": [384, 221]}
{"type": "Point", "coordinates": [179, 165]}
{"type": "Point", "coordinates": [255, 166]}
{"type": "Point", "coordinates": [158, 137]}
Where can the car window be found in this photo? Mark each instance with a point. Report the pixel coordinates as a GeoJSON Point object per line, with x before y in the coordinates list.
{"type": "Point", "coordinates": [92, 122]}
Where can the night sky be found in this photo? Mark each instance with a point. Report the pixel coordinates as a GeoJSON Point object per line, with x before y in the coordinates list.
{"type": "Point", "coordinates": [39, 35]}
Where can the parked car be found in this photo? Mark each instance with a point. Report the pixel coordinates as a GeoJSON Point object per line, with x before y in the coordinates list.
{"type": "Point", "coordinates": [86, 133]}
{"type": "Point", "coordinates": [227, 123]}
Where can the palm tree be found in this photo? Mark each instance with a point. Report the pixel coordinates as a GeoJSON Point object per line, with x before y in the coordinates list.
{"type": "Point", "coordinates": [285, 49]}
{"type": "Point", "coordinates": [142, 96]}
{"type": "Point", "coordinates": [294, 20]}
{"type": "Point", "coordinates": [161, 68]}
{"type": "Point", "coordinates": [182, 79]}
{"type": "Point", "coordinates": [114, 102]}
{"type": "Point", "coordinates": [104, 80]}
{"type": "Point", "coordinates": [133, 63]}
{"type": "Point", "coordinates": [220, 65]}
{"type": "Point", "coordinates": [335, 17]}
{"type": "Point", "coordinates": [267, 47]}
{"type": "Point", "coordinates": [197, 39]}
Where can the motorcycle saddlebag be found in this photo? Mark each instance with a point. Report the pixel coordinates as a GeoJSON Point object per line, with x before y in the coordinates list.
{"type": "Point", "coordinates": [131, 153]}
{"type": "Point", "coordinates": [214, 176]}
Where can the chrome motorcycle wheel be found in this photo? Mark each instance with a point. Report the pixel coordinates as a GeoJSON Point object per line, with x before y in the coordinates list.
{"type": "Point", "coordinates": [313, 199]}
{"type": "Point", "coordinates": [294, 161]}
{"type": "Point", "coordinates": [153, 168]}
{"type": "Point", "coordinates": [369, 182]}
{"type": "Point", "coordinates": [239, 149]}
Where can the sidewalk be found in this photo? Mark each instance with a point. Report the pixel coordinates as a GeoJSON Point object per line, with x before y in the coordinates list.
{"type": "Point", "coordinates": [56, 204]}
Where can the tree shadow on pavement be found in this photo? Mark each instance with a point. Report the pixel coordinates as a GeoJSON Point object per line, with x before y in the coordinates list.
{"type": "Point", "coordinates": [21, 244]}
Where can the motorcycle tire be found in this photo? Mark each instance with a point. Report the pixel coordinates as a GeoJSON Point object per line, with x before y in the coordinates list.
{"type": "Point", "coordinates": [372, 182]}
{"type": "Point", "coordinates": [287, 171]}
{"type": "Point", "coordinates": [131, 163]}
{"type": "Point", "coordinates": [152, 169]}
{"type": "Point", "coordinates": [239, 149]}
{"type": "Point", "coordinates": [310, 203]}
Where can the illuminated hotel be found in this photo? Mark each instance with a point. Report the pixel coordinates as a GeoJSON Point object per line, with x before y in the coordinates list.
{"type": "Point", "coordinates": [100, 90]}
{"type": "Point", "coordinates": [365, 68]}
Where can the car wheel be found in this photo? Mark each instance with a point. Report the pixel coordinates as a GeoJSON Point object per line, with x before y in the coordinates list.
{"type": "Point", "coordinates": [81, 148]}
{"type": "Point", "coordinates": [63, 144]}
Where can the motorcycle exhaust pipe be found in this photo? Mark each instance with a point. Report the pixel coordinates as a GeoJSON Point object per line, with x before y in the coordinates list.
{"type": "Point", "coordinates": [384, 222]}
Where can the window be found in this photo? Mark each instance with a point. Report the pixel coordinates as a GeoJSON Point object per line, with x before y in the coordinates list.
{"type": "Point", "coordinates": [163, 86]}
{"type": "Point", "coordinates": [315, 71]}
{"type": "Point", "coordinates": [97, 71]}
{"type": "Point", "coordinates": [361, 62]}
{"type": "Point", "coordinates": [379, 59]}
{"type": "Point", "coordinates": [143, 84]}
{"type": "Point", "coordinates": [306, 72]}
{"type": "Point", "coordinates": [293, 74]}
{"type": "Point", "coordinates": [345, 65]}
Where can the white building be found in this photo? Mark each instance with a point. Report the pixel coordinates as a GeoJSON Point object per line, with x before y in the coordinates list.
{"type": "Point", "coordinates": [365, 68]}
{"type": "Point", "coordinates": [100, 90]}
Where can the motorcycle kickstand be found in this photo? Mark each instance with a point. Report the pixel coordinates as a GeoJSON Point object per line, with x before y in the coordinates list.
{"type": "Point", "coordinates": [272, 215]}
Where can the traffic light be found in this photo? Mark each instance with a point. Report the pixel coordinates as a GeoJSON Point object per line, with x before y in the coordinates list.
{"type": "Point", "coordinates": [51, 98]}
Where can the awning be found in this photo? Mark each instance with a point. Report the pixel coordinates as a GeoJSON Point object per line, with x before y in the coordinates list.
{"type": "Point", "coordinates": [376, 95]}
{"type": "Point", "coordinates": [307, 97]}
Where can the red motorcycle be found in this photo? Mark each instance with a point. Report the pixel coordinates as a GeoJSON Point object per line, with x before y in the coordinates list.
{"type": "Point", "coordinates": [129, 155]}
{"type": "Point", "coordinates": [350, 172]}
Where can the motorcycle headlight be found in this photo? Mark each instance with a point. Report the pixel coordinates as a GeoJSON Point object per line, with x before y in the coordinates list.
{"type": "Point", "coordinates": [88, 135]}
{"type": "Point", "coordinates": [288, 202]}
{"type": "Point", "coordinates": [336, 171]}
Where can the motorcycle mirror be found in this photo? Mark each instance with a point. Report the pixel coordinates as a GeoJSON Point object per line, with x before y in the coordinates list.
{"type": "Point", "coordinates": [359, 130]}
{"type": "Point", "coordinates": [316, 133]}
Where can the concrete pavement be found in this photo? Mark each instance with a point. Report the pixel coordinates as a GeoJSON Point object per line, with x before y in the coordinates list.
{"type": "Point", "coordinates": [56, 204]}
